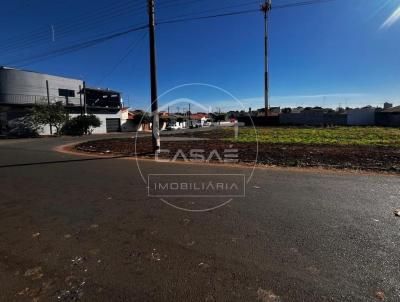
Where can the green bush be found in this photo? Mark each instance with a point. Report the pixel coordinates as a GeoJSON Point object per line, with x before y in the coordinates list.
{"type": "Point", "coordinates": [23, 127]}
{"type": "Point", "coordinates": [80, 125]}
{"type": "Point", "coordinates": [52, 114]}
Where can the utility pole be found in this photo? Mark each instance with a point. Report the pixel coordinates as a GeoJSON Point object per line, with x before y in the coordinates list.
{"type": "Point", "coordinates": [84, 99]}
{"type": "Point", "coordinates": [153, 76]}
{"type": "Point", "coordinates": [80, 99]}
{"type": "Point", "coordinates": [48, 103]}
{"type": "Point", "coordinates": [266, 7]}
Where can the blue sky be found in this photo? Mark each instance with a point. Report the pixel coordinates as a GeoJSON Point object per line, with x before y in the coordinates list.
{"type": "Point", "coordinates": [341, 53]}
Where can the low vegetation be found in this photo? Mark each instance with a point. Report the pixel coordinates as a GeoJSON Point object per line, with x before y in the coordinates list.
{"type": "Point", "coordinates": [344, 136]}
{"type": "Point", "coordinates": [356, 148]}
{"type": "Point", "coordinates": [80, 125]}
{"type": "Point", "coordinates": [52, 114]}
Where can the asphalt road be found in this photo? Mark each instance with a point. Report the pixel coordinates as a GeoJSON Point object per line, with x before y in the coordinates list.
{"type": "Point", "coordinates": [72, 228]}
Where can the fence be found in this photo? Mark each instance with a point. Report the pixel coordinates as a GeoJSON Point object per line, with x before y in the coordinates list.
{"type": "Point", "coordinates": [23, 99]}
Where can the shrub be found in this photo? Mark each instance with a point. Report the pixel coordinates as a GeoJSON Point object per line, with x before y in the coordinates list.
{"type": "Point", "coordinates": [80, 125]}
{"type": "Point", "coordinates": [52, 114]}
{"type": "Point", "coordinates": [23, 127]}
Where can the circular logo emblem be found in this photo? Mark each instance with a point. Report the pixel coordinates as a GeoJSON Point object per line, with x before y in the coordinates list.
{"type": "Point", "coordinates": [192, 171]}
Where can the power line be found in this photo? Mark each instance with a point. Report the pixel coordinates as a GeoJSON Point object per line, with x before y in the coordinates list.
{"type": "Point", "coordinates": [74, 48]}
{"type": "Point", "coordinates": [304, 3]}
{"type": "Point", "coordinates": [34, 43]}
{"type": "Point", "coordinates": [68, 21]}
{"type": "Point", "coordinates": [209, 17]}
{"type": "Point", "coordinates": [215, 10]}
{"type": "Point", "coordinates": [26, 44]}
{"type": "Point", "coordinates": [79, 46]}
{"type": "Point", "coordinates": [176, 3]}
{"type": "Point", "coordinates": [93, 20]}
{"type": "Point", "coordinates": [42, 41]}
{"type": "Point", "coordinates": [131, 49]}
{"type": "Point", "coordinates": [290, 5]}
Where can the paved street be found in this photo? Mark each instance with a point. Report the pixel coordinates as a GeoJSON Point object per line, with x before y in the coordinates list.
{"type": "Point", "coordinates": [76, 228]}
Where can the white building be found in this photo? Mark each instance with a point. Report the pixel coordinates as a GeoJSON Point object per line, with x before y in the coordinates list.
{"type": "Point", "coordinates": [20, 90]}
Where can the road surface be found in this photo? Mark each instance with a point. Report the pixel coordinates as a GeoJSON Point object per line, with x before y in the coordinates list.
{"type": "Point", "coordinates": [72, 228]}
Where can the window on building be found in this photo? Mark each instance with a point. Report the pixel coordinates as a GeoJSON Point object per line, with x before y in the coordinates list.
{"type": "Point", "coordinates": [66, 93]}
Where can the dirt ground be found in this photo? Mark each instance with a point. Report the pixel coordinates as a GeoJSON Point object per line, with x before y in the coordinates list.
{"type": "Point", "coordinates": [383, 159]}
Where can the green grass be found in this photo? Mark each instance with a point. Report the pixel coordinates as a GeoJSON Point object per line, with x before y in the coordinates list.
{"type": "Point", "coordinates": [355, 136]}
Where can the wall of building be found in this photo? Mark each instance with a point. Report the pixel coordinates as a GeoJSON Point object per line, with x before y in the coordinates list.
{"type": "Point", "coordinates": [388, 119]}
{"type": "Point", "coordinates": [100, 130]}
{"type": "Point", "coordinates": [19, 87]}
{"type": "Point", "coordinates": [20, 90]}
{"type": "Point", "coordinates": [259, 120]}
{"type": "Point", "coordinates": [10, 116]}
{"type": "Point", "coordinates": [312, 118]}
{"type": "Point", "coordinates": [103, 117]}
{"type": "Point", "coordinates": [335, 119]}
{"type": "Point", "coordinates": [128, 126]}
{"type": "Point", "coordinates": [302, 118]}
{"type": "Point", "coordinates": [361, 117]}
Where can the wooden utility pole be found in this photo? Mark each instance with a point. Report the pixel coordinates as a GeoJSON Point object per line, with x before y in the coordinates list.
{"type": "Point", "coordinates": [80, 99]}
{"type": "Point", "coordinates": [266, 7]}
{"type": "Point", "coordinates": [48, 103]}
{"type": "Point", "coordinates": [153, 77]}
{"type": "Point", "coordinates": [84, 99]}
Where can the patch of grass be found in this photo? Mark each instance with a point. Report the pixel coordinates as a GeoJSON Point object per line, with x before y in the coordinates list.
{"type": "Point", "coordinates": [354, 136]}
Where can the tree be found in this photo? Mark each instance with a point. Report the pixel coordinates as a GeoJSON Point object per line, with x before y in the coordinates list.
{"type": "Point", "coordinates": [82, 124]}
{"type": "Point", "coordinates": [23, 127]}
{"type": "Point", "coordinates": [164, 120]}
{"type": "Point", "coordinates": [52, 114]}
{"type": "Point", "coordinates": [142, 118]}
{"type": "Point", "coordinates": [89, 122]}
{"type": "Point", "coordinates": [219, 117]}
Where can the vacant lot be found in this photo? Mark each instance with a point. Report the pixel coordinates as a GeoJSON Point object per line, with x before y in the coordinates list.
{"type": "Point", "coordinates": [376, 149]}
{"type": "Point", "coordinates": [345, 136]}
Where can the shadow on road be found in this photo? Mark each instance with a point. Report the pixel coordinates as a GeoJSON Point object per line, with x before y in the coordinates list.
{"type": "Point", "coordinates": [63, 161]}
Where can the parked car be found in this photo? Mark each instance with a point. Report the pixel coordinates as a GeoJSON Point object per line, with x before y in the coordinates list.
{"type": "Point", "coordinates": [172, 126]}
{"type": "Point", "coordinates": [195, 125]}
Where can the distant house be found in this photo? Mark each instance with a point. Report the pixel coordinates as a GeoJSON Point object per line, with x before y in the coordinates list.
{"type": "Point", "coordinates": [313, 117]}
{"type": "Point", "coordinates": [128, 120]}
{"type": "Point", "coordinates": [198, 119]}
{"type": "Point", "coordinates": [387, 105]}
{"type": "Point", "coordinates": [361, 117]}
{"type": "Point", "coordinates": [388, 117]}
{"type": "Point", "coordinates": [275, 109]}
{"type": "Point", "coordinates": [271, 111]}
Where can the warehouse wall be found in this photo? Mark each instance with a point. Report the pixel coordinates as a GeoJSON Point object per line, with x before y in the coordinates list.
{"type": "Point", "coordinates": [313, 118]}
{"type": "Point", "coordinates": [361, 117]}
{"type": "Point", "coordinates": [25, 87]}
